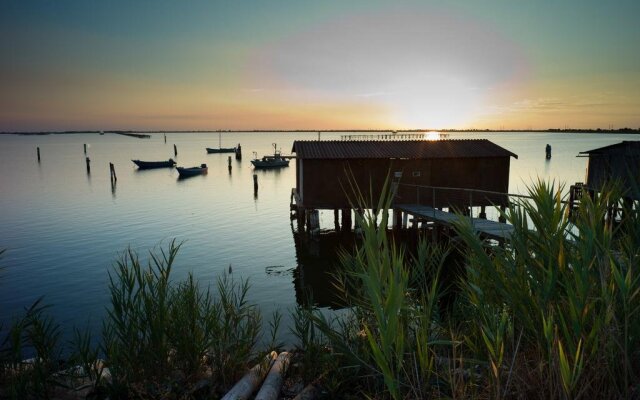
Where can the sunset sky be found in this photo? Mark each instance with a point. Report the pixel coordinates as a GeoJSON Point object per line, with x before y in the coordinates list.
{"type": "Point", "coordinates": [174, 65]}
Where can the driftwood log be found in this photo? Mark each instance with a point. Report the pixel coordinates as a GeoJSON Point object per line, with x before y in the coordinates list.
{"type": "Point", "coordinates": [251, 380]}
{"type": "Point", "coordinates": [270, 389]}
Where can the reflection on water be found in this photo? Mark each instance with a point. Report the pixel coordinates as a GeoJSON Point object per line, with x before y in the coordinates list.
{"type": "Point", "coordinates": [319, 260]}
{"type": "Point", "coordinates": [63, 228]}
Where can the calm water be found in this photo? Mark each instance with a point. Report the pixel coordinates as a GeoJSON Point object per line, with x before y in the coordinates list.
{"type": "Point", "coordinates": [63, 228]}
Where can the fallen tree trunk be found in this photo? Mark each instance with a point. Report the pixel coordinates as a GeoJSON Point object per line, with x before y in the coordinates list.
{"type": "Point", "coordinates": [251, 380]}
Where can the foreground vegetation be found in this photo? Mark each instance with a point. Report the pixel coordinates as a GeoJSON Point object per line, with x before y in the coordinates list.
{"type": "Point", "coordinates": [553, 314]}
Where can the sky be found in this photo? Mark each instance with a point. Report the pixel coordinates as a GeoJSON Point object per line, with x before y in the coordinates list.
{"type": "Point", "coordinates": [297, 64]}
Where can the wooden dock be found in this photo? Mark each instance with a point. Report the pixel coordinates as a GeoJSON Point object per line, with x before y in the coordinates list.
{"type": "Point", "coordinates": [489, 229]}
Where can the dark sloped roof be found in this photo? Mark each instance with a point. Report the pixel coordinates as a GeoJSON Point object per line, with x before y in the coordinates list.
{"type": "Point", "coordinates": [413, 149]}
{"type": "Point", "coordinates": [633, 146]}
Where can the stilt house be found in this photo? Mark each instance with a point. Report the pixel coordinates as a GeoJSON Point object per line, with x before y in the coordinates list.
{"type": "Point", "coordinates": [618, 162]}
{"type": "Point", "coordinates": [421, 172]}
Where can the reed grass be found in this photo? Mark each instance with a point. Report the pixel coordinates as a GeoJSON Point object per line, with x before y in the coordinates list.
{"type": "Point", "coordinates": [552, 314]}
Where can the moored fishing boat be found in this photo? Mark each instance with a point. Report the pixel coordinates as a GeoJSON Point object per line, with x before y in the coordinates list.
{"type": "Point", "coordinates": [221, 149]}
{"type": "Point", "coordinates": [271, 161]}
{"type": "Point", "coordinates": [192, 171]}
{"type": "Point", "coordinates": [154, 164]}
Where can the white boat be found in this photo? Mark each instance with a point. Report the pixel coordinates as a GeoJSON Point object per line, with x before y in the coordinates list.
{"type": "Point", "coordinates": [271, 161]}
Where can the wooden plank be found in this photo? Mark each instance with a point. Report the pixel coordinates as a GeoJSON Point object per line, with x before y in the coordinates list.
{"type": "Point", "coordinates": [492, 229]}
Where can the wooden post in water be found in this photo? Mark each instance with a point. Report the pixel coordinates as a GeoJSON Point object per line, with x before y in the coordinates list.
{"type": "Point", "coordinates": [255, 185]}
{"type": "Point", "coordinates": [112, 170]}
{"type": "Point", "coordinates": [229, 162]}
{"type": "Point", "coordinates": [85, 148]}
{"type": "Point", "coordinates": [165, 138]}
{"type": "Point", "coordinates": [239, 152]}
{"type": "Point", "coordinates": [88, 161]}
{"type": "Point", "coordinates": [175, 150]}
{"type": "Point", "coordinates": [38, 154]}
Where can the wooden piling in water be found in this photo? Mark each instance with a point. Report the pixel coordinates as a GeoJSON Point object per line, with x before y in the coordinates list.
{"type": "Point", "coordinates": [85, 148]}
{"type": "Point", "coordinates": [255, 184]}
{"type": "Point", "coordinates": [175, 150]}
{"type": "Point", "coordinates": [239, 152]}
{"type": "Point", "coordinates": [229, 162]}
{"type": "Point", "coordinates": [38, 154]}
{"type": "Point", "coordinates": [165, 138]}
{"type": "Point", "coordinates": [88, 161]}
{"type": "Point", "coordinates": [112, 170]}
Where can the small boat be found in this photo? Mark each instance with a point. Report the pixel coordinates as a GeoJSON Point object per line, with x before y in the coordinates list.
{"type": "Point", "coordinates": [221, 149]}
{"type": "Point", "coordinates": [193, 171]}
{"type": "Point", "coordinates": [154, 164]}
{"type": "Point", "coordinates": [272, 161]}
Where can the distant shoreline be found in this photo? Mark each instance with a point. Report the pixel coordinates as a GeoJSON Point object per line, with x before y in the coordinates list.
{"type": "Point", "coordinates": [551, 130]}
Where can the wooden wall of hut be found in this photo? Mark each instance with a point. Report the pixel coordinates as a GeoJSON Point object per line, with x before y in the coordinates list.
{"type": "Point", "coordinates": [326, 183]}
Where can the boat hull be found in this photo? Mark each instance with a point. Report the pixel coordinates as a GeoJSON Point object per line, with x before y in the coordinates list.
{"type": "Point", "coordinates": [266, 164]}
{"type": "Point", "coordinates": [154, 164]}
{"type": "Point", "coordinates": [221, 150]}
{"type": "Point", "coordinates": [194, 171]}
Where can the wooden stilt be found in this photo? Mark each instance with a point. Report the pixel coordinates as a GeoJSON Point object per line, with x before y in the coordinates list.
{"type": "Point", "coordinates": [501, 218]}
{"type": "Point", "coordinates": [346, 220]}
{"type": "Point", "coordinates": [397, 218]}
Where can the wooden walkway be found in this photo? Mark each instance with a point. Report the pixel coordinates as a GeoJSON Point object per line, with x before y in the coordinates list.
{"type": "Point", "coordinates": [490, 229]}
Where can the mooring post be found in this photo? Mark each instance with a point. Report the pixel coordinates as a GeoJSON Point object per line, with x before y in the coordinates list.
{"type": "Point", "coordinates": [112, 170]}
{"type": "Point", "coordinates": [239, 152]}
{"type": "Point", "coordinates": [229, 162]}
{"type": "Point", "coordinates": [175, 150]}
{"type": "Point", "coordinates": [255, 184]}
{"type": "Point", "coordinates": [85, 148]}
{"type": "Point", "coordinates": [38, 154]}
{"type": "Point", "coordinates": [165, 138]}
{"type": "Point", "coordinates": [88, 161]}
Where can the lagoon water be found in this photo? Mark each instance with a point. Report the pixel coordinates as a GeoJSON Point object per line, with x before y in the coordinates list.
{"type": "Point", "coordinates": [64, 228]}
